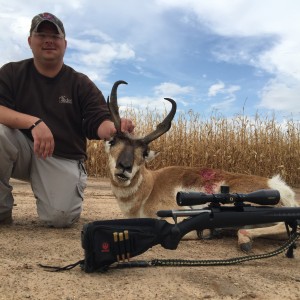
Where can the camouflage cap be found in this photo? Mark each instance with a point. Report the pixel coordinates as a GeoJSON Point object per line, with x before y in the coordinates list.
{"type": "Point", "coordinates": [38, 19]}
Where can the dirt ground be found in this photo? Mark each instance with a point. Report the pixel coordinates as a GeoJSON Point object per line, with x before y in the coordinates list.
{"type": "Point", "coordinates": [27, 243]}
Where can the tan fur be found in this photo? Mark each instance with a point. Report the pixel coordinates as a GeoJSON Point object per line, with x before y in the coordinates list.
{"type": "Point", "coordinates": [141, 192]}
{"type": "Point", "coordinates": [146, 191]}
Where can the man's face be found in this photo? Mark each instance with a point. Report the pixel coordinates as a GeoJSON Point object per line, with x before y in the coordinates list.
{"type": "Point", "coordinates": [47, 45]}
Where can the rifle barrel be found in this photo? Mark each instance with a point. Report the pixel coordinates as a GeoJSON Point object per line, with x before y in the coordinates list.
{"type": "Point", "coordinates": [225, 217]}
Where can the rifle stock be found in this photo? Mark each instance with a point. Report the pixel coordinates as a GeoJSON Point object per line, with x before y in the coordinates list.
{"type": "Point", "coordinates": [110, 241]}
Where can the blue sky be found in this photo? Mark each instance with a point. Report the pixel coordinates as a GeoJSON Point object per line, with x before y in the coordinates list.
{"type": "Point", "coordinates": [226, 56]}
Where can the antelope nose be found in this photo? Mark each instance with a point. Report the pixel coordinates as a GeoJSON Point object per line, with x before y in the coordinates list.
{"type": "Point", "coordinates": [125, 166]}
{"type": "Point", "coordinates": [125, 159]}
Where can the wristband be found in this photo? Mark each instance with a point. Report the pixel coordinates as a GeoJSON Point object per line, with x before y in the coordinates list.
{"type": "Point", "coordinates": [35, 124]}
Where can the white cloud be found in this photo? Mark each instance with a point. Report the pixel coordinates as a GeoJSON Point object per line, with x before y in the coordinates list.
{"type": "Point", "coordinates": [265, 20]}
{"type": "Point", "coordinates": [220, 88]}
{"type": "Point", "coordinates": [99, 54]}
{"type": "Point", "coordinates": [241, 17]}
{"type": "Point", "coordinates": [169, 89]}
{"type": "Point", "coordinates": [143, 103]}
{"type": "Point", "coordinates": [222, 106]}
{"type": "Point", "coordinates": [156, 101]}
{"type": "Point", "coordinates": [215, 89]}
{"type": "Point", "coordinates": [96, 53]}
{"type": "Point", "coordinates": [284, 58]}
{"type": "Point", "coordinates": [281, 95]}
{"type": "Point", "coordinates": [226, 96]}
{"type": "Point", "coordinates": [260, 34]}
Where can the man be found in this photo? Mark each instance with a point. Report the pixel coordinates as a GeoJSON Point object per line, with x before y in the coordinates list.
{"type": "Point", "coordinates": [47, 111]}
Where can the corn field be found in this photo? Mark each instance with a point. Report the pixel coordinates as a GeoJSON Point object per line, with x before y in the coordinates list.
{"type": "Point", "coordinates": [257, 146]}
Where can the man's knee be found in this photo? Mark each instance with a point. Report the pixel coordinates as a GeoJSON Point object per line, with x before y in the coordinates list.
{"type": "Point", "coordinates": [3, 129]}
{"type": "Point", "coordinates": [6, 132]}
{"type": "Point", "coordinates": [61, 219]}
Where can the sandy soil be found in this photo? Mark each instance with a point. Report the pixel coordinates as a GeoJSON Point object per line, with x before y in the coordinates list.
{"type": "Point", "coordinates": [27, 243]}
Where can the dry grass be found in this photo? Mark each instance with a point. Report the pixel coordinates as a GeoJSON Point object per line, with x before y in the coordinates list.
{"type": "Point", "coordinates": [257, 146]}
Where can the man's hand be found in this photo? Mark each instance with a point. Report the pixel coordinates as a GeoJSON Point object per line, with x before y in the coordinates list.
{"type": "Point", "coordinates": [107, 128]}
{"type": "Point", "coordinates": [43, 145]}
{"type": "Point", "coordinates": [127, 125]}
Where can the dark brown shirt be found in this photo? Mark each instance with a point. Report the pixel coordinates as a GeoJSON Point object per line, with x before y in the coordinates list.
{"type": "Point", "coordinates": [70, 104]}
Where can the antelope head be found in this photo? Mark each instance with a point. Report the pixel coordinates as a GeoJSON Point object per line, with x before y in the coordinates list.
{"type": "Point", "coordinates": [128, 154]}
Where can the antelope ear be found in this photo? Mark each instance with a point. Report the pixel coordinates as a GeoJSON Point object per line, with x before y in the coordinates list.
{"type": "Point", "coordinates": [151, 155]}
{"type": "Point", "coordinates": [107, 145]}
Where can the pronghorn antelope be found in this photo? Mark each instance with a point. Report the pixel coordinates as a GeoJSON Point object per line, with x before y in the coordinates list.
{"type": "Point", "coordinates": [141, 192]}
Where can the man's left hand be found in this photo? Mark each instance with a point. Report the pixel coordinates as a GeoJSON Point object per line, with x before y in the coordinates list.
{"type": "Point", "coordinates": [107, 128]}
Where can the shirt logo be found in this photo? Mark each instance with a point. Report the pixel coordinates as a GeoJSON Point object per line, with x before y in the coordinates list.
{"type": "Point", "coordinates": [64, 100]}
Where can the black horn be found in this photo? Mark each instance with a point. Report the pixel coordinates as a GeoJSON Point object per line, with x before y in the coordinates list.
{"type": "Point", "coordinates": [113, 105]}
{"type": "Point", "coordinates": [164, 126]}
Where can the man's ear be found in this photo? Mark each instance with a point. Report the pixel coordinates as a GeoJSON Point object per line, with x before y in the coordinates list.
{"type": "Point", "coordinates": [152, 154]}
{"type": "Point", "coordinates": [29, 41]}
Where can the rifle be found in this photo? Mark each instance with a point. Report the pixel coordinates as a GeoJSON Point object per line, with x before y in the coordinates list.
{"type": "Point", "coordinates": [108, 242]}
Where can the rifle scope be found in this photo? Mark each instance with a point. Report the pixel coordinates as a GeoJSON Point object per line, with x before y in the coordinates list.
{"type": "Point", "coordinates": [261, 197]}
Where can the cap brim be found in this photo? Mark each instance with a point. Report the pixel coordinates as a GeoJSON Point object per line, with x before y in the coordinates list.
{"type": "Point", "coordinates": [57, 27]}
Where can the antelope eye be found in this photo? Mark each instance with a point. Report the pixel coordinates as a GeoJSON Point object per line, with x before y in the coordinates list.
{"type": "Point", "coordinates": [112, 142]}
{"type": "Point", "coordinates": [145, 153]}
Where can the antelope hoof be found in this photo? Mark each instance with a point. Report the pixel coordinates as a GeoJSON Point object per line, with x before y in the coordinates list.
{"type": "Point", "coordinates": [244, 241]}
{"type": "Point", "coordinates": [246, 247]}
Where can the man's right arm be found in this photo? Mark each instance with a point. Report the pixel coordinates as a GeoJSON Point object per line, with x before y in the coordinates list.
{"type": "Point", "coordinates": [42, 135]}
{"type": "Point", "coordinates": [14, 119]}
